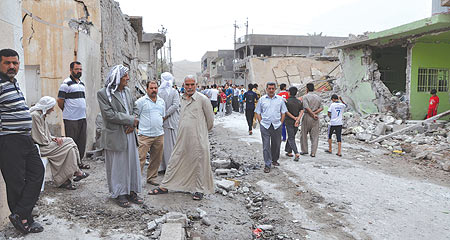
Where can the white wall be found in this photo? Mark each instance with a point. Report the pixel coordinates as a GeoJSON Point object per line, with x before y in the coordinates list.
{"type": "Point", "coordinates": [11, 24]}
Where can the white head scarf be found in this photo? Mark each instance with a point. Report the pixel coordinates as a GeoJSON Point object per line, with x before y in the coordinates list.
{"type": "Point", "coordinates": [166, 82]}
{"type": "Point", "coordinates": [113, 80]}
{"type": "Point", "coordinates": [44, 104]}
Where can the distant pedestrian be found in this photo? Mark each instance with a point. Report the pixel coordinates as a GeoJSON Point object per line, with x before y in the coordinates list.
{"type": "Point", "coordinates": [285, 95]}
{"type": "Point", "coordinates": [241, 102]}
{"type": "Point", "coordinates": [151, 110]}
{"type": "Point", "coordinates": [312, 105]}
{"type": "Point", "coordinates": [270, 112]}
{"type": "Point", "coordinates": [335, 113]}
{"type": "Point", "coordinates": [229, 92]}
{"type": "Point", "coordinates": [292, 121]}
{"type": "Point", "coordinates": [72, 101]}
{"type": "Point", "coordinates": [20, 162]}
{"type": "Point", "coordinates": [123, 172]}
{"type": "Point", "coordinates": [172, 101]}
{"type": "Point", "coordinates": [250, 99]}
{"type": "Point", "coordinates": [235, 101]}
{"type": "Point", "coordinates": [189, 168]}
{"type": "Point", "coordinates": [214, 98]}
{"type": "Point", "coordinates": [433, 104]}
{"type": "Point", "coordinates": [223, 102]}
{"type": "Point", "coordinates": [258, 94]}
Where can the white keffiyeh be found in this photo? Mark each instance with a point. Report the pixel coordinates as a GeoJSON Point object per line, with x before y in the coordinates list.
{"type": "Point", "coordinates": [44, 104]}
{"type": "Point", "coordinates": [166, 82]}
{"type": "Point", "coordinates": [113, 79]}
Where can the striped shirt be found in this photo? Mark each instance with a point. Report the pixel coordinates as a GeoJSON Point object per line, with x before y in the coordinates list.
{"type": "Point", "coordinates": [74, 99]}
{"type": "Point", "coordinates": [14, 113]}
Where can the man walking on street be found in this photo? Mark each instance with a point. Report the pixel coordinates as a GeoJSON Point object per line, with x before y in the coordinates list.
{"type": "Point", "coordinates": [71, 100]}
{"type": "Point", "coordinates": [250, 99]}
{"type": "Point", "coordinates": [294, 114]}
{"type": "Point", "coordinates": [270, 113]}
{"type": "Point", "coordinates": [171, 99]}
{"type": "Point", "coordinates": [312, 105]}
{"type": "Point", "coordinates": [151, 110]}
{"type": "Point", "coordinates": [285, 95]}
{"type": "Point", "coordinates": [189, 168]}
{"type": "Point", "coordinates": [335, 113]}
{"type": "Point", "coordinates": [229, 93]}
{"type": "Point", "coordinates": [20, 162]}
{"type": "Point", "coordinates": [214, 95]}
{"type": "Point", "coordinates": [236, 93]}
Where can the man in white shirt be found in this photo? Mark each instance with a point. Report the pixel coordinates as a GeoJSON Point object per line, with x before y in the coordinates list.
{"type": "Point", "coordinates": [151, 111]}
{"type": "Point", "coordinates": [335, 113]}
{"type": "Point", "coordinates": [214, 93]}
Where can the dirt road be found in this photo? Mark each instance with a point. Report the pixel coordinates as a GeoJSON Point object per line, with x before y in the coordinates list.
{"type": "Point", "coordinates": [366, 194]}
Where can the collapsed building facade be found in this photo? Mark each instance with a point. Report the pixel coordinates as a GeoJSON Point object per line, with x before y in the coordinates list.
{"type": "Point", "coordinates": [49, 35]}
{"type": "Point", "coordinates": [395, 70]}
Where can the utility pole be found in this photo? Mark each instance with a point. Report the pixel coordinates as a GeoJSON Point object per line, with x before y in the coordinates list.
{"type": "Point", "coordinates": [163, 31]}
{"type": "Point", "coordinates": [246, 38]}
{"type": "Point", "coordinates": [170, 57]}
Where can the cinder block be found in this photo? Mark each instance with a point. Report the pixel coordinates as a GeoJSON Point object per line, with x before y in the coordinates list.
{"type": "Point", "coordinates": [172, 231]}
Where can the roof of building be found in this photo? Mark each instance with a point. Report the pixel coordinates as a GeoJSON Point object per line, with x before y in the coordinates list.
{"type": "Point", "coordinates": [288, 40]}
{"type": "Point", "coordinates": [433, 25]}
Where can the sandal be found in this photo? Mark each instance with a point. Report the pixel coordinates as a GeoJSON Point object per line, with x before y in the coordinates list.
{"type": "Point", "coordinates": [289, 154]}
{"type": "Point", "coordinates": [17, 223]}
{"type": "Point", "coordinates": [68, 185]}
{"type": "Point", "coordinates": [84, 166]}
{"type": "Point", "coordinates": [81, 177]}
{"type": "Point", "coordinates": [122, 201]}
{"type": "Point", "coordinates": [340, 155]}
{"type": "Point", "coordinates": [134, 198]}
{"type": "Point", "coordinates": [156, 191]}
{"type": "Point", "coordinates": [267, 170]}
{"type": "Point", "coordinates": [296, 159]}
{"type": "Point", "coordinates": [328, 151]}
{"type": "Point", "coordinates": [34, 227]}
{"type": "Point", "coordinates": [197, 196]}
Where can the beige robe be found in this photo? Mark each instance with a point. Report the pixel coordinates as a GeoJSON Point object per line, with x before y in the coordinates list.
{"type": "Point", "coordinates": [63, 159]}
{"type": "Point", "coordinates": [189, 167]}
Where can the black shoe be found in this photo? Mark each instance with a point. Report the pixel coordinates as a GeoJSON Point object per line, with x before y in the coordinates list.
{"type": "Point", "coordinates": [303, 153]}
{"type": "Point", "coordinates": [275, 164]}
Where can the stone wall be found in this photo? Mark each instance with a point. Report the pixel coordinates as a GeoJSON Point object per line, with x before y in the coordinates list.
{"type": "Point", "coordinates": [10, 23]}
{"type": "Point", "coordinates": [120, 43]}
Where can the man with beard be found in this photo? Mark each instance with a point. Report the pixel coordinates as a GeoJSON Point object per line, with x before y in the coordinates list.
{"type": "Point", "coordinates": [151, 111]}
{"type": "Point", "coordinates": [20, 162]}
{"type": "Point", "coordinates": [189, 167]}
{"type": "Point", "coordinates": [71, 100]}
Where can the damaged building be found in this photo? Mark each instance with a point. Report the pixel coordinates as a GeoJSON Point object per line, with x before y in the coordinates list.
{"type": "Point", "coordinates": [217, 67]}
{"type": "Point", "coordinates": [395, 69]}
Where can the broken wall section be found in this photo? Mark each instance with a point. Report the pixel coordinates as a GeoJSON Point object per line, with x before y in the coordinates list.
{"type": "Point", "coordinates": [361, 82]}
{"type": "Point", "coordinates": [293, 71]}
{"type": "Point", "coordinates": [120, 44]}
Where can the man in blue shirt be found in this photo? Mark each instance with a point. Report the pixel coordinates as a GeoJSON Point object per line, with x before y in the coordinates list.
{"type": "Point", "coordinates": [229, 92]}
{"type": "Point", "coordinates": [270, 113]}
{"type": "Point", "coordinates": [151, 111]}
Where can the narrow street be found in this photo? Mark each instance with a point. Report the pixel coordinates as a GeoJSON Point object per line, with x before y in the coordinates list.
{"type": "Point", "coordinates": [366, 194]}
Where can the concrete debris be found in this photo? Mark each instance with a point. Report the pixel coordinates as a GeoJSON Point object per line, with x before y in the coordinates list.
{"type": "Point", "coordinates": [152, 225]}
{"type": "Point", "coordinates": [380, 129]}
{"type": "Point", "coordinates": [221, 163]}
{"type": "Point", "coordinates": [226, 172]}
{"type": "Point", "coordinates": [265, 227]}
{"type": "Point", "coordinates": [172, 231]}
{"type": "Point", "coordinates": [225, 184]}
{"type": "Point", "coordinates": [201, 213]}
{"type": "Point", "coordinates": [177, 217]}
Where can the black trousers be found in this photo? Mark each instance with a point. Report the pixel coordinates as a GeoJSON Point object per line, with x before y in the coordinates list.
{"type": "Point", "coordinates": [76, 129]}
{"type": "Point", "coordinates": [290, 144]}
{"type": "Point", "coordinates": [236, 103]}
{"type": "Point", "coordinates": [23, 173]}
{"type": "Point", "coordinates": [249, 114]}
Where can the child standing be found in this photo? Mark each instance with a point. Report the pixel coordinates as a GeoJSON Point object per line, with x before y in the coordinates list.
{"type": "Point", "coordinates": [241, 102]}
{"type": "Point", "coordinates": [335, 113]}
{"type": "Point", "coordinates": [433, 104]}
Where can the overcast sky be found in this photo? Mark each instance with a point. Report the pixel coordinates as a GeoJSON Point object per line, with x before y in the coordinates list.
{"type": "Point", "coordinates": [198, 26]}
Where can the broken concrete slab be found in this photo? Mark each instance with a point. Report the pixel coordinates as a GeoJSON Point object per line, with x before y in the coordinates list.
{"type": "Point", "coordinates": [172, 231]}
{"type": "Point", "coordinates": [225, 172]}
{"type": "Point", "coordinates": [380, 129]}
{"type": "Point", "coordinates": [225, 184]}
{"type": "Point", "coordinates": [364, 136]}
{"type": "Point", "coordinates": [177, 217]}
{"type": "Point", "coordinates": [265, 227]}
{"type": "Point", "coordinates": [221, 163]}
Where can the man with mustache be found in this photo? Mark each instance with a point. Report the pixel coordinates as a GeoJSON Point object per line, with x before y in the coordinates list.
{"type": "Point", "coordinates": [151, 111]}
{"type": "Point", "coordinates": [20, 162]}
{"type": "Point", "coordinates": [71, 100]}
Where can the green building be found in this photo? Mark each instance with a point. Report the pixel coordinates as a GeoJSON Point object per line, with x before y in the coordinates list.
{"type": "Point", "coordinates": [410, 59]}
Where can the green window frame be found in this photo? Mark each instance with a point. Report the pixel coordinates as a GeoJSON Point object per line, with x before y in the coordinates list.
{"type": "Point", "coordinates": [433, 78]}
